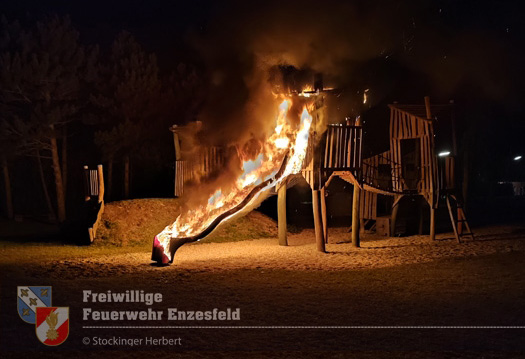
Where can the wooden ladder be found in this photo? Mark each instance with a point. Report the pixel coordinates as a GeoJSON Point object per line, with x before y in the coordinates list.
{"type": "Point", "coordinates": [457, 223]}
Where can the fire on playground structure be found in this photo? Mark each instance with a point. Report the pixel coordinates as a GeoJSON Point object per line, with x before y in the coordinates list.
{"type": "Point", "coordinates": [411, 167]}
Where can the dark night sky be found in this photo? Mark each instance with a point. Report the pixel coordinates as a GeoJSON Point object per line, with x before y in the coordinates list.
{"type": "Point", "coordinates": [491, 30]}
{"type": "Point", "coordinates": [162, 25]}
{"type": "Point", "coordinates": [471, 51]}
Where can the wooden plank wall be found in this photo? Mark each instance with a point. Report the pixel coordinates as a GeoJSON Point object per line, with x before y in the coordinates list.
{"type": "Point", "coordinates": [183, 173]}
{"type": "Point", "coordinates": [209, 160]}
{"type": "Point", "coordinates": [446, 173]}
{"type": "Point", "coordinates": [343, 148]}
{"type": "Point", "coordinates": [308, 166]}
{"type": "Point", "coordinates": [370, 176]}
{"type": "Point", "coordinates": [406, 126]}
{"type": "Point", "coordinates": [368, 205]}
{"type": "Point", "coordinates": [340, 150]}
{"type": "Point", "coordinates": [204, 163]}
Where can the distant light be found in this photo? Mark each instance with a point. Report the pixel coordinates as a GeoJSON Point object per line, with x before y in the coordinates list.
{"type": "Point", "coordinates": [517, 158]}
{"type": "Point", "coordinates": [444, 153]}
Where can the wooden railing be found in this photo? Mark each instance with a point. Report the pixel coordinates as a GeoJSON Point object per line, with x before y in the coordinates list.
{"type": "Point", "coordinates": [94, 192]}
{"type": "Point", "coordinates": [371, 175]}
{"type": "Point", "coordinates": [203, 163]}
{"type": "Point", "coordinates": [343, 148]}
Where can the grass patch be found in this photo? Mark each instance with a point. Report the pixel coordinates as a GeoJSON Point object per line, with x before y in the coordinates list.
{"type": "Point", "coordinates": [136, 222]}
{"type": "Point", "coordinates": [252, 226]}
{"type": "Point", "coordinates": [12, 252]}
{"type": "Point", "coordinates": [126, 227]}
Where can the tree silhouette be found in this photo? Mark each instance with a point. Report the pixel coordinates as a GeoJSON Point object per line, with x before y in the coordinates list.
{"type": "Point", "coordinates": [42, 74]}
{"type": "Point", "coordinates": [127, 96]}
{"type": "Point", "coordinates": [10, 36]}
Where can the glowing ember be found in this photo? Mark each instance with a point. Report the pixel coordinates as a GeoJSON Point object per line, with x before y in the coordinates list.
{"type": "Point", "coordinates": [365, 96]}
{"type": "Point", "coordinates": [286, 142]}
{"type": "Point", "coordinates": [308, 91]}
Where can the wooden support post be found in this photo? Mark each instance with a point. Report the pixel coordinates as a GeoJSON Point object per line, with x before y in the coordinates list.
{"type": "Point", "coordinates": [458, 238]}
{"type": "Point", "coordinates": [100, 183]}
{"type": "Point", "coordinates": [317, 222]}
{"type": "Point", "coordinates": [395, 210]}
{"type": "Point", "coordinates": [432, 223]}
{"type": "Point", "coordinates": [87, 184]}
{"type": "Point", "coordinates": [427, 108]}
{"type": "Point", "coordinates": [460, 220]}
{"type": "Point", "coordinates": [281, 214]}
{"type": "Point", "coordinates": [355, 216]}
{"type": "Point", "coordinates": [464, 184]}
{"type": "Point", "coordinates": [455, 153]}
{"type": "Point", "coordinates": [431, 201]}
{"type": "Point", "coordinates": [453, 125]}
{"type": "Point", "coordinates": [421, 208]}
{"type": "Point", "coordinates": [323, 214]}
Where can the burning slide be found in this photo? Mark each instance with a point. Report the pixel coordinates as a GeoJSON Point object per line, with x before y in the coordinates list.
{"type": "Point", "coordinates": [282, 155]}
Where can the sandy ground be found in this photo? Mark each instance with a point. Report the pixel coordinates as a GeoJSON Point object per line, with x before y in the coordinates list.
{"type": "Point", "coordinates": [301, 254]}
{"type": "Point", "coordinates": [408, 281]}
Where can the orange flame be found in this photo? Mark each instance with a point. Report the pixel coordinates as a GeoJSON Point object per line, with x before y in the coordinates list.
{"type": "Point", "coordinates": [284, 140]}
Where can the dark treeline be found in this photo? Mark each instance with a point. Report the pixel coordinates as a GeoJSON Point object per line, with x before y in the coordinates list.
{"type": "Point", "coordinates": [65, 104]}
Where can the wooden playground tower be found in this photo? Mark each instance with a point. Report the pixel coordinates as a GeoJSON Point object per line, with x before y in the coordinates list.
{"type": "Point", "coordinates": [409, 168]}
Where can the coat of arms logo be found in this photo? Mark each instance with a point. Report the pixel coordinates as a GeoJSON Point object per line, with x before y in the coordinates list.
{"type": "Point", "coordinates": [31, 297]}
{"type": "Point", "coordinates": [52, 325]}
{"type": "Point", "coordinates": [34, 307]}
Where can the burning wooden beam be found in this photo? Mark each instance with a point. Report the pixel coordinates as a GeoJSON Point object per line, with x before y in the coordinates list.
{"type": "Point", "coordinates": [282, 154]}
{"type": "Point", "coordinates": [158, 254]}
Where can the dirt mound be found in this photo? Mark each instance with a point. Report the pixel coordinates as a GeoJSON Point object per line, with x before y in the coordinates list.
{"type": "Point", "coordinates": [135, 222]}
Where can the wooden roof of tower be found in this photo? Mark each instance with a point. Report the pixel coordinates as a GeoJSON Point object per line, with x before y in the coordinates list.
{"type": "Point", "coordinates": [420, 111]}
